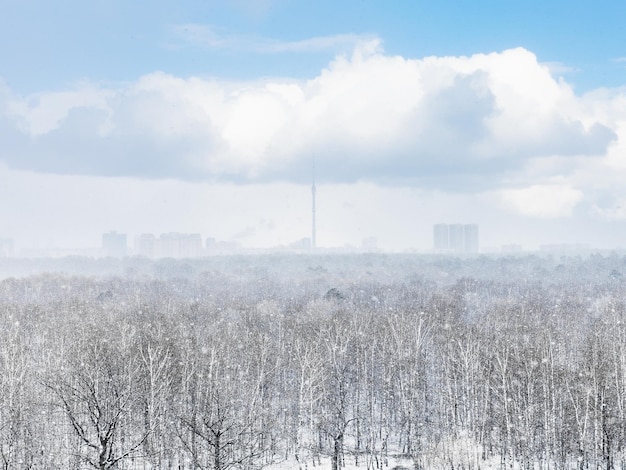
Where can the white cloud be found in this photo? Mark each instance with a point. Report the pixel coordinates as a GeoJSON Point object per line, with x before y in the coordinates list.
{"type": "Point", "coordinates": [543, 201]}
{"type": "Point", "coordinates": [44, 112]}
{"type": "Point", "coordinates": [211, 38]}
{"type": "Point", "coordinates": [453, 123]}
{"type": "Point", "coordinates": [616, 212]}
{"type": "Point", "coordinates": [559, 68]}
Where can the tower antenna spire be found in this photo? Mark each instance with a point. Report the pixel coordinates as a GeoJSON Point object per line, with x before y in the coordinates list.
{"type": "Point", "coordinates": [313, 228]}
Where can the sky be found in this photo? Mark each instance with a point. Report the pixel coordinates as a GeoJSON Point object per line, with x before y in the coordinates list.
{"type": "Point", "coordinates": [205, 116]}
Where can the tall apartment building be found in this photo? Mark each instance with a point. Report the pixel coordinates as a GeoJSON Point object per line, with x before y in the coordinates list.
{"type": "Point", "coordinates": [471, 238]}
{"type": "Point", "coordinates": [114, 244]}
{"type": "Point", "coordinates": [440, 237]}
{"type": "Point", "coordinates": [146, 245]}
{"type": "Point", "coordinates": [6, 247]}
{"type": "Point", "coordinates": [455, 238]}
{"type": "Point", "coordinates": [169, 245]}
{"type": "Point", "coordinates": [190, 245]}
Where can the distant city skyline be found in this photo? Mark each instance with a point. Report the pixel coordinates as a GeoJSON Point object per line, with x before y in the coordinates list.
{"type": "Point", "coordinates": [204, 117]}
{"type": "Point", "coordinates": [447, 239]}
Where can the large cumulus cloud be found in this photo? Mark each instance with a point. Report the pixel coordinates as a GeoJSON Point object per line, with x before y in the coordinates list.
{"type": "Point", "coordinates": [447, 122]}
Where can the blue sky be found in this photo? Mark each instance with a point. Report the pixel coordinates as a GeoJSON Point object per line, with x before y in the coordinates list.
{"type": "Point", "coordinates": [204, 116]}
{"type": "Point", "coordinates": [49, 44]}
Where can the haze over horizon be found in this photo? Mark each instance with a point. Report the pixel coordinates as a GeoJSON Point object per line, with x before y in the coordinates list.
{"type": "Point", "coordinates": [205, 116]}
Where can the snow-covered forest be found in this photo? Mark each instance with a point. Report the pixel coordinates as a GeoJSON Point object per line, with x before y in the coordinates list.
{"type": "Point", "coordinates": [300, 362]}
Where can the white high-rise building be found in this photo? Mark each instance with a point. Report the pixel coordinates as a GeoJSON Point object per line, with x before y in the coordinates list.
{"type": "Point", "coordinates": [114, 244]}
{"type": "Point", "coordinates": [146, 245]}
{"type": "Point", "coordinates": [440, 237]}
{"type": "Point", "coordinates": [169, 245]}
{"type": "Point", "coordinates": [456, 236]}
{"type": "Point", "coordinates": [471, 238]}
{"type": "Point", "coordinates": [190, 245]}
{"type": "Point", "coordinates": [6, 247]}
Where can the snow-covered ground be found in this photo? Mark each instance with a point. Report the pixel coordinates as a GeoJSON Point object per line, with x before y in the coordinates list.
{"type": "Point", "coordinates": [325, 464]}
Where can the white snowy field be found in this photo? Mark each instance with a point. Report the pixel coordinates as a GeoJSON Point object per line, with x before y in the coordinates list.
{"type": "Point", "coordinates": [325, 463]}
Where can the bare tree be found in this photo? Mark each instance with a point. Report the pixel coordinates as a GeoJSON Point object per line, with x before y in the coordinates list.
{"type": "Point", "coordinates": [337, 340]}
{"type": "Point", "coordinates": [221, 427]}
{"type": "Point", "coordinates": [98, 394]}
{"type": "Point", "coordinates": [157, 354]}
{"type": "Point", "coordinates": [14, 398]}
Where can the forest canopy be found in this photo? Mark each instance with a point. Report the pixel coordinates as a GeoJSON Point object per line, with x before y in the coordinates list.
{"type": "Point", "coordinates": [255, 362]}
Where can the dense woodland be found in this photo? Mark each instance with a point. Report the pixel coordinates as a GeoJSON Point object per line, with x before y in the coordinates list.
{"type": "Point", "coordinates": [246, 362]}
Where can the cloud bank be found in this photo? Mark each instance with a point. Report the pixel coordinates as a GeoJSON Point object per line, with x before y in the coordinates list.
{"type": "Point", "coordinates": [452, 123]}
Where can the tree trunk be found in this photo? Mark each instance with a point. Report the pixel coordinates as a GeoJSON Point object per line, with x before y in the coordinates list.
{"type": "Point", "coordinates": [336, 452]}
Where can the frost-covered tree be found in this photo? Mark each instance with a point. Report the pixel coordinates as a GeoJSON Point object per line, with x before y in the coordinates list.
{"type": "Point", "coordinates": [16, 400]}
{"type": "Point", "coordinates": [221, 422]}
{"type": "Point", "coordinates": [98, 393]}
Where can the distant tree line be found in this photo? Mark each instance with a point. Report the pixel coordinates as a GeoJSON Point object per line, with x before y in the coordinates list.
{"type": "Point", "coordinates": [223, 370]}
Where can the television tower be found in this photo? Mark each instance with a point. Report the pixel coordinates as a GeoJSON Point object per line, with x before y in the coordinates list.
{"type": "Point", "coordinates": [313, 229]}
